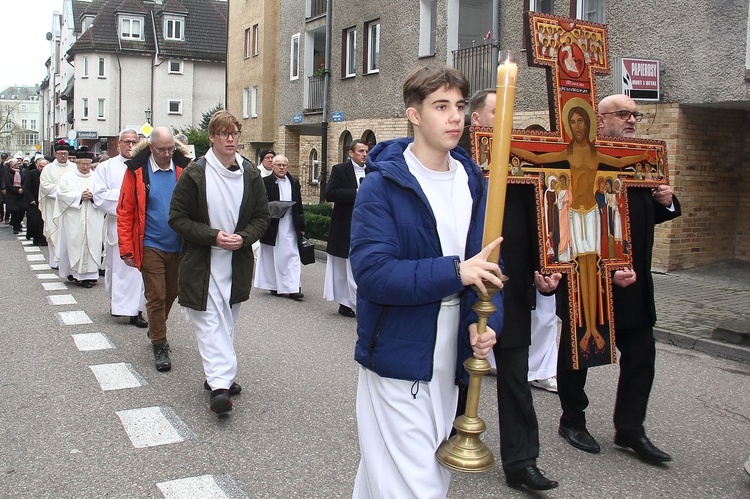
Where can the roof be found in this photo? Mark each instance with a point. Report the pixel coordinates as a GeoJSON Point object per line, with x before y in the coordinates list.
{"type": "Point", "coordinates": [205, 30]}
{"type": "Point", "coordinates": [18, 92]}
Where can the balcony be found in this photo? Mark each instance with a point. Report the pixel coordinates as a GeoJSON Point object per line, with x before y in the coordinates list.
{"type": "Point", "coordinates": [477, 66]}
{"type": "Point", "coordinates": [314, 94]}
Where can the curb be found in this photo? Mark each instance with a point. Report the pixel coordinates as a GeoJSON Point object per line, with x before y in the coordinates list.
{"type": "Point", "coordinates": [712, 347]}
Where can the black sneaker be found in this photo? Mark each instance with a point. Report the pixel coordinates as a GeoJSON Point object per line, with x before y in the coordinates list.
{"type": "Point", "coordinates": [220, 402]}
{"type": "Point", "coordinates": [235, 389]}
{"type": "Point", "coordinates": [161, 356]}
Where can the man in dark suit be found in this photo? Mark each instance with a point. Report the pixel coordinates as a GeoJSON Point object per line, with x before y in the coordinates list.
{"type": "Point", "coordinates": [519, 429]}
{"type": "Point", "coordinates": [279, 269]}
{"type": "Point", "coordinates": [341, 190]}
{"type": "Point", "coordinates": [635, 312]}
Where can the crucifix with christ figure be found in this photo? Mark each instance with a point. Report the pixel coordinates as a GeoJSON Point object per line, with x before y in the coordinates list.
{"type": "Point", "coordinates": [580, 179]}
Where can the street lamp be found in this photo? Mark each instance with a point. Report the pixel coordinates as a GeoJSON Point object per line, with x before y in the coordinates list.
{"type": "Point", "coordinates": [148, 115]}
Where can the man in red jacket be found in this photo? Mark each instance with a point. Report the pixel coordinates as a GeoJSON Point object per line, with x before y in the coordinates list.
{"type": "Point", "coordinates": [145, 238]}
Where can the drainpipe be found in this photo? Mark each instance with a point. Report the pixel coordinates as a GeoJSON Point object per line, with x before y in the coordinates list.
{"type": "Point", "coordinates": [154, 65]}
{"type": "Point", "coordinates": [326, 84]}
{"type": "Point", "coordinates": [495, 40]}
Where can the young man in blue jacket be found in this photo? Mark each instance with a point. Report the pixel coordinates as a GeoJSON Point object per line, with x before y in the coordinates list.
{"type": "Point", "coordinates": [416, 246]}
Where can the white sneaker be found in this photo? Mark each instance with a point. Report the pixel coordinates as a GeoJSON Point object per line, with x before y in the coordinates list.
{"type": "Point", "coordinates": [549, 384]}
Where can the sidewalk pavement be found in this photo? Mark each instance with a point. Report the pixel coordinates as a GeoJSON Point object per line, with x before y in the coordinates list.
{"type": "Point", "coordinates": [706, 309]}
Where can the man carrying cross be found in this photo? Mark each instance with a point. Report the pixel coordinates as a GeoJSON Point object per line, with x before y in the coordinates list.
{"type": "Point", "coordinates": [634, 311]}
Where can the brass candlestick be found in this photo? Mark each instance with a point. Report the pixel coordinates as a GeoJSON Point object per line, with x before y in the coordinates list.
{"type": "Point", "coordinates": [465, 451]}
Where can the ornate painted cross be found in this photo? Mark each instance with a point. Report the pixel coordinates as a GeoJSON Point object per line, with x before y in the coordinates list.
{"type": "Point", "coordinates": [581, 179]}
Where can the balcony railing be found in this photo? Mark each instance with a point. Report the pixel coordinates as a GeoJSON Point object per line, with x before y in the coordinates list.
{"type": "Point", "coordinates": [477, 66]}
{"type": "Point", "coordinates": [315, 93]}
{"type": "Point", "coordinates": [317, 8]}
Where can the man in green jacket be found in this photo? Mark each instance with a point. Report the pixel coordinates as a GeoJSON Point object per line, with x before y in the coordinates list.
{"type": "Point", "coordinates": [216, 261]}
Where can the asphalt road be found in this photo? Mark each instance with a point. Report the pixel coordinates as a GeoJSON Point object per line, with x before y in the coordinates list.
{"type": "Point", "coordinates": [293, 431]}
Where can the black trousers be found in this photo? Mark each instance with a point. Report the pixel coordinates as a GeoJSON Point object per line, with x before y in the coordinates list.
{"type": "Point", "coordinates": [638, 355]}
{"type": "Point", "coordinates": [519, 428]}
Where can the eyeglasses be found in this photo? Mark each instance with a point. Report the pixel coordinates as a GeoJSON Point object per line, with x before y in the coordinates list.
{"type": "Point", "coordinates": [164, 150]}
{"type": "Point", "coordinates": [225, 135]}
{"type": "Point", "coordinates": [625, 115]}
{"type": "Point", "coordinates": [129, 142]}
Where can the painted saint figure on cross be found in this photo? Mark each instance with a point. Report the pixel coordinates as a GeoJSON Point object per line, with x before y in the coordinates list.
{"type": "Point", "coordinates": [581, 180]}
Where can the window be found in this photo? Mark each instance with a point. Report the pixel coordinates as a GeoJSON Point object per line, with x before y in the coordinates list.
{"type": "Point", "coordinates": [427, 27]}
{"type": "Point", "coordinates": [372, 47]}
{"type": "Point", "coordinates": [100, 110]}
{"type": "Point", "coordinates": [254, 102]}
{"type": "Point", "coordinates": [173, 28]}
{"type": "Point", "coordinates": [29, 139]}
{"type": "Point", "coordinates": [255, 40]}
{"type": "Point", "coordinates": [131, 28]}
{"type": "Point", "coordinates": [294, 58]}
{"type": "Point", "coordinates": [350, 52]}
{"type": "Point", "coordinates": [84, 108]}
{"type": "Point", "coordinates": [175, 107]}
{"type": "Point", "coordinates": [88, 21]}
{"type": "Point", "coordinates": [175, 67]}
{"type": "Point", "coordinates": [245, 102]}
{"type": "Point", "coordinates": [101, 67]}
{"type": "Point", "coordinates": [592, 10]}
{"type": "Point", "coordinates": [314, 167]}
{"type": "Point", "coordinates": [85, 68]}
{"type": "Point", "coordinates": [33, 124]}
{"type": "Point", "coordinates": [24, 123]}
{"type": "Point", "coordinates": [543, 6]}
{"type": "Point", "coordinates": [248, 43]}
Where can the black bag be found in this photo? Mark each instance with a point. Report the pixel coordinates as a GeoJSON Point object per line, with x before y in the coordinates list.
{"type": "Point", "coordinates": [306, 251]}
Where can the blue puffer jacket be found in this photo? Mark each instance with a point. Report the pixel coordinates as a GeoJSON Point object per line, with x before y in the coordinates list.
{"type": "Point", "coordinates": [400, 270]}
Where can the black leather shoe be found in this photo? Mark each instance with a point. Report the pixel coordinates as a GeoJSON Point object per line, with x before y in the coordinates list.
{"type": "Point", "coordinates": [531, 477]}
{"type": "Point", "coordinates": [88, 283]}
{"type": "Point", "coordinates": [161, 356]}
{"type": "Point", "coordinates": [235, 389]}
{"type": "Point", "coordinates": [580, 438]}
{"type": "Point", "coordinates": [643, 447]}
{"type": "Point", "coordinates": [220, 402]}
{"type": "Point", "coordinates": [346, 311]}
{"type": "Point", "coordinates": [296, 296]}
{"type": "Point", "coordinates": [138, 320]}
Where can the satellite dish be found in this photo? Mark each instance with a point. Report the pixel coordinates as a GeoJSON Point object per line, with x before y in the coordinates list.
{"type": "Point", "coordinates": [49, 36]}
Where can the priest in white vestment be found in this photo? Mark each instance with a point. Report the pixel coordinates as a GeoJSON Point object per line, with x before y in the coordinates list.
{"type": "Point", "coordinates": [48, 181]}
{"type": "Point", "coordinates": [279, 269]}
{"type": "Point", "coordinates": [123, 283]}
{"type": "Point", "coordinates": [82, 222]}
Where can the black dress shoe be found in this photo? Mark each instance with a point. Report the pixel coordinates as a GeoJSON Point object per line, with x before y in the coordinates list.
{"type": "Point", "coordinates": [531, 477]}
{"type": "Point", "coordinates": [580, 438]}
{"type": "Point", "coordinates": [235, 389]}
{"type": "Point", "coordinates": [643, 447]}
{"type": "Point", "coordinates": [88, 284]}
{"type": "Point", "coordinates": [346, 311]}
{"type": "Point", "coordinates": [220, 402]}
{"type": "Point", "coordinates": [296, 296]}
{"type": "Point", "coordinates": [138, 320]}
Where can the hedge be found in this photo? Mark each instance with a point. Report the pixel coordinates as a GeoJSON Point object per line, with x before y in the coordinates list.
{"type": "Point", "coordinates": [317, 220]}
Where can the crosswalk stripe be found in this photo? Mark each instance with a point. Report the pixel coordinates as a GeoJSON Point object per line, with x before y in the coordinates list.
{"type": "Point", "coordinates": [41, 266]}
{"type": "Point", "coordinates": [31, 249]}
{"type": "Point", "coordinates": [198, 487]}
{"type": "Point", "coordinates": [54, 286]}
{"type": "Point", "coordinates": [35, 258]}
{"type": "Point", "coordinates": [47, 276]}
{"type": "Point", "coordinates": [73, 318]}
{"type": "Point", "coordinates": [87, 342]}
{"type": "Point", "coordinates": [151, 426]}
{"type": "Point", "coordinates": [61, 300]}
{"type": "Point", "coordinates": [27, 243]}
{"type": "Point", "coordinates": [117, 376]}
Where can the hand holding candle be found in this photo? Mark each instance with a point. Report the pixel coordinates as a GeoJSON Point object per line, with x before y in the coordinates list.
{"type": "Point", "coordinates": [507, 73]}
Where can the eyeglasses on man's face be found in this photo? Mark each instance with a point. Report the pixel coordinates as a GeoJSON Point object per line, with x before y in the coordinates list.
{"type": "Point", "coordinates": [625, 115]}
{"type": "Point", "coordinates": [129, 142]}
{"type": "Point", "coordinates": [164, 150]}
{"type": "Point", "coordinates": [225, 135]}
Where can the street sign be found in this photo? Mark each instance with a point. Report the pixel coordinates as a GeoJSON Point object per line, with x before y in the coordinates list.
{"type": "Point", "coordinates": [38, 147]}
{"type": "Point", "coordinates": [146, 129]}
{"type": "Point", "coordinates": [72, 135]}
{"type": "Point", "coordinates": [337, 116]}
{"type": "Point", "coordinates": [637, 78]}
{"type": "Point", "coordinates": [297, 118]}
{"type": "Point", "coordinates": [90, 134]}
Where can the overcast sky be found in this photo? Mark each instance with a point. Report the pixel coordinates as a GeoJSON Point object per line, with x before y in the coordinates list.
{"type": "Point", "coordinates": [23, 45]}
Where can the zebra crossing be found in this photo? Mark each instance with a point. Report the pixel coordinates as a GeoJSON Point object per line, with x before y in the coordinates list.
{"type": "Point", "coordinates": [144, 426]}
